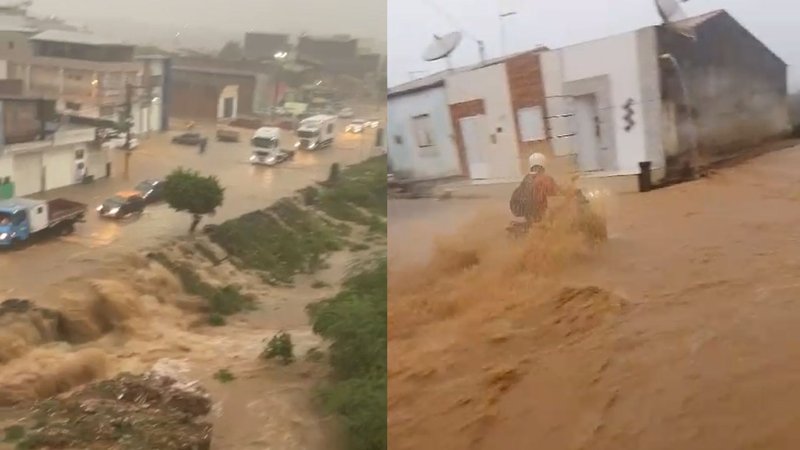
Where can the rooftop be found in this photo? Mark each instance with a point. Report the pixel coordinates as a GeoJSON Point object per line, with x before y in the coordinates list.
{"type": "Point", "coordinates": [75, 37]}
{"type": "Point", "coordinates": [438, 78]}
{"type": "Point", "coordinates": [693, 22]}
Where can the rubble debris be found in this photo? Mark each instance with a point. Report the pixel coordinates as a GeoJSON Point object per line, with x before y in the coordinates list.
{"type": "Point", "coordinates": [149, 411]}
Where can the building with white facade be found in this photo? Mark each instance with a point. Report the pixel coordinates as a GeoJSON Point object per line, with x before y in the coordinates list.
{"type": "Point", "coordinates": [420, 131]}
{"type": "Point", "coordinates": [38, 154]}
{"type": "Point", "coordinates": [665, 99]}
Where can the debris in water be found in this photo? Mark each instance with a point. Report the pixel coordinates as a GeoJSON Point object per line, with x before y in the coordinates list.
{"type": "Point", "coordinates": [129, 411]}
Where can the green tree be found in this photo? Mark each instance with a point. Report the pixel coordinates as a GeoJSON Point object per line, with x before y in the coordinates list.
{"type": "Point", "coordinates": [187, 190]}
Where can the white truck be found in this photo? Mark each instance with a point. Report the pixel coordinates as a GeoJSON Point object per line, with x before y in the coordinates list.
{"type": "Point", "coordinates": [266, 147]}
{"type": "Point", "coordinates": [316, 132]}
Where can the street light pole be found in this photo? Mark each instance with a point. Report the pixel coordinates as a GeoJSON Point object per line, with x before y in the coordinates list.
{"type": "Point", "coordinates": [693, 151]}
{"type": "Point", "coordinates": [128, 121]}
{"type": "Point", "coordinates": [279, 57]}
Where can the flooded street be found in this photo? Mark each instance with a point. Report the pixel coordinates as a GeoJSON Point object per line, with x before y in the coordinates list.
{"type": "Point", "coordinates": [26, 273]}
{"type": "Point", "coordinates": [679, 332]}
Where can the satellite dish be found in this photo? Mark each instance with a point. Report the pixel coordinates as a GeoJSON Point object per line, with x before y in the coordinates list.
{"type": "Point", "coordinates": [671, 12]}
{"type": "Point", "coordinates": [442, 47]}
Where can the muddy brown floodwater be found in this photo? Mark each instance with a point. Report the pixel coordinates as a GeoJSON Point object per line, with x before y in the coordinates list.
{"type": "Point", "coordinates": [680, 332]}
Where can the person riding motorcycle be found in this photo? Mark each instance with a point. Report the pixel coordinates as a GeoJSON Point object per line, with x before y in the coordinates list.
{"type": "Point", "coordinates": [530, 199]}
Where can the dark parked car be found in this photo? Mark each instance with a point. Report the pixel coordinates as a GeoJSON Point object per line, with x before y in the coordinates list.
{"type": "Point", "coordinates": [188, 139]}
{"type": "Point", "coordinates": [151, 191]}
{"type": "Point", "coordinates": [121, 205]}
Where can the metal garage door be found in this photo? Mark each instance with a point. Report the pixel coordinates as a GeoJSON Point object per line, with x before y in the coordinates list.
{"type": "Point", "coordinates": [59, 168]}
{"type": "Point", "coordinates": [28, 173]}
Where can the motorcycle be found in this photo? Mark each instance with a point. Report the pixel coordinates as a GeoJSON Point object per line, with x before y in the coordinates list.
{"type": "Point", "coordinates": [590, 223]}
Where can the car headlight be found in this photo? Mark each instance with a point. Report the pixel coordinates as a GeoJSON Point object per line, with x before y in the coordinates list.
{"type": "Point", "coordinates": [252, 158]}
{"type": "Point", "coordinates": [314, 144]}
{"type": "Point", "coordinates": [296, 145]}
{"type": "Point", "coordinates": [114, 211]}
{"type": "Point", "coordinates": [99, 208]}
{"type": "Point", "coordinates": [3, 236]}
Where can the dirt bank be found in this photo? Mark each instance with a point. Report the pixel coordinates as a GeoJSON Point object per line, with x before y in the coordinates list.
{"type": "Point", "coordinates": [680, 332]}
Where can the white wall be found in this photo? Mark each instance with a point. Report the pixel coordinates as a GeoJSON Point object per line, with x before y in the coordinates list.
{"type": "Point", "coordinates": [59, 166]}
{"type": "Point", "coordinates": [230, 91]}
{"type": "Point", "coordinates": [438, 161]}
{"type": "Point", "coordinates": [629, 63]}
{"type": "Point", "coordinates": [491, 85]}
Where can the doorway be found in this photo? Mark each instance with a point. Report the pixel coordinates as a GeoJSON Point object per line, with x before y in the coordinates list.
{"type": "Point", "coordinates": [473, 133]}
{"type": "Point", "coordinates": [587, 119]}
{"type": "Point", "coordinates": [227, 108]}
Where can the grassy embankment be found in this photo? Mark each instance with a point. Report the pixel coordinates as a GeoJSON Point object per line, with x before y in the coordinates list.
{"type": "Point", "coordinates": [292, 237]}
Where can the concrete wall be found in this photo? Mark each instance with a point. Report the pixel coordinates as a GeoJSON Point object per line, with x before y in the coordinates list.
{"type": "Point", "coordinates": [20, 121]}
{"type": "Point", "coordinates": [737, 88]}
{"type": "Point", "coordinates": [490, 84]}
{"type": "Point", "coordinates": [614, 70]}
{"type": "Point", "coordinates": [195, 93]}
{"type": "Point", "coordinates": [437, 161]}
{"type": "Point", "coordinates": [15, 44]}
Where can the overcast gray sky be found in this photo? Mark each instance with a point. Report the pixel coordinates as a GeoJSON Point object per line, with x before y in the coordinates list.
{"type": "Point", "coordinates": [363, 18]}
{"type": "Point", "coordinates": [556, 23]}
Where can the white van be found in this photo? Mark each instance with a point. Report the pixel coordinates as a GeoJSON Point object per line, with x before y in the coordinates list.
{"type": "Point", "coordinates": [316, 132]}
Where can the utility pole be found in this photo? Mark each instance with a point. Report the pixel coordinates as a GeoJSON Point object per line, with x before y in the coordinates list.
{"type": "Point", "coordinates": [503, 16]}
{"type": "Point", "coordinates": [128, 121]}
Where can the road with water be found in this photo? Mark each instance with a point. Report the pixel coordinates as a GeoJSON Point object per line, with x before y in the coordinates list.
{"type": "Point", "coordinates": [27, 272]}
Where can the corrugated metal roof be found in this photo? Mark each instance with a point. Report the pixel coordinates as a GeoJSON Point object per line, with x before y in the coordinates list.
{"type": "Point", "coordinates": [74, 37]}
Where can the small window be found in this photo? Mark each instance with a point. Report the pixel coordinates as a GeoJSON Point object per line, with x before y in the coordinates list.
{"type": "Point", "coordinates": [79, 154]}
{"type": "Point", "coordinates": [422, 130]}
{"type": "Point", "coordinates": [398, 139]}
{"type": "Point", "coordinates": [39, 210]}
{"type": "Point", "coordinates": [531, 124]}
{"type": "Point", "coordinates": [19, 217]}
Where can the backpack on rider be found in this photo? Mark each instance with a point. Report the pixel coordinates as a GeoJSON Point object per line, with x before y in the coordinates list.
{"type": "Point", "coordinates": [521, 203]}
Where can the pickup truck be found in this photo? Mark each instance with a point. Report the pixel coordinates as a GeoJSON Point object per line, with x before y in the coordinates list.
{"type": "Point", "coordinates": [22, 219]}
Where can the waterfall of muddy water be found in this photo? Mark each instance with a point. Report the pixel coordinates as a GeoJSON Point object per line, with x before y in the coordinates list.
{"type": "Point", "coordinates": [73, 337]}
{"type": "Point", "coordinates": [468, 325]}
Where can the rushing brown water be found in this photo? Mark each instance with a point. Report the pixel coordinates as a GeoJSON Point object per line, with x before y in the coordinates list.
{"type": "Point", "coordinates": [133, 316]}
{"type": "Point", "coordinates": [680, 332]}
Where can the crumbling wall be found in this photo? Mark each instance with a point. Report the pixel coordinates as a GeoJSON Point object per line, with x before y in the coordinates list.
{"type": "Point", "coordinates": [728, 90]}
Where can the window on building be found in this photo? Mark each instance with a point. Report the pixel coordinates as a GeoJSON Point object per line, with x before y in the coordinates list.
{"type": "Point", "coordinates": [422, 130]}
{"type": "Point", "coordinates": [531, 124]}
{"type": "Point", "coordinates": [72, 106]}
{"type": "Point", "coordinates": [398, 139]}
{"type": "Point", "coordinates": [78, 154]}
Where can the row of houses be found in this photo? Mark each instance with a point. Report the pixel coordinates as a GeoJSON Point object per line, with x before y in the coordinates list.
{"type": "Point", "coordinates": [667, 97]}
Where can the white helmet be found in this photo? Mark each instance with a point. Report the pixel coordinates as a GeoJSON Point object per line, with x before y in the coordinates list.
{"type": "Point", "coordinates": [537, 159]}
